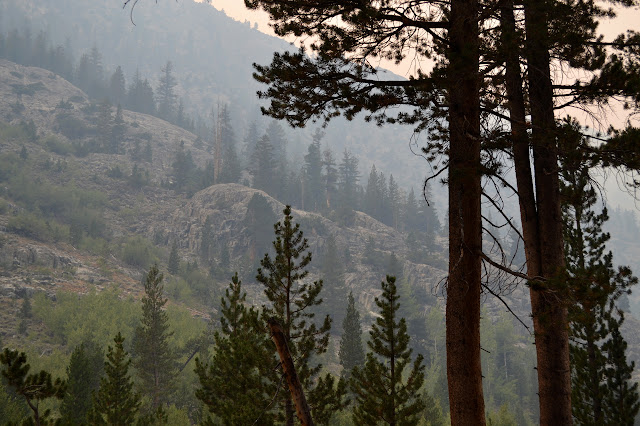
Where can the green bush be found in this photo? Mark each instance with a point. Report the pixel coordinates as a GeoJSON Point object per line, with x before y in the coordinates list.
{"type": "Point", "coordinates": [29, 225]}
{"type": "Point", "coordinates": [72, 127]}
{"type": "Point", "coordinates": [138, 251]}
{"type": "Point", "coordinates": [58, 146]}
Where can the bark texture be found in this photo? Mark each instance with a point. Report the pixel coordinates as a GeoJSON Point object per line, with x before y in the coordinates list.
{"type": "Point", "coordinates": [297, 393]}
{"type": "Point", "coordinates": [550, 318]}
{"type": "Point", "coordinates": [464, 373]}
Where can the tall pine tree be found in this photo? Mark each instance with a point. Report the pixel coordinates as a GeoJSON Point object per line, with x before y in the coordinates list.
{"type": "Point", "coordinates": [116, 403]}
{"type": "Point", "coordinates": [166, 96]}
{"type": "Point", "coordinates": [154, 360]}
{"type": "Point", "coordinates": [601, 388]}
{"type": "Point", "coordinates": [233, 385]}
{"type": "Point", "coordinates": [83, 378]}
{"type": "Point", "coordinates": [291, 300]}
{"type": "Point", "coordinates": [382, 395]}
{"type": "Point", "coordinates": [351, 353]}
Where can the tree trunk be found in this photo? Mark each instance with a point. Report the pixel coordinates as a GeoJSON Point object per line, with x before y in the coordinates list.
{"type": "Point", "coordinates": [464, 372]}
{"type": "Point", "coordinates": [550, 319]}
{"type": "Point", "coordinates": [297, 393]}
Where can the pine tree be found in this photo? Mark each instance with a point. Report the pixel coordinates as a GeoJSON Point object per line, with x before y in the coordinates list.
{"type": "Point", "coordinates": [351, 353]}
{"type": "Point", "coordinates": [333, 289]}
{"type": "Point", "coordinates": [117, 87]}
{"type": "Point", "coordinates": [372, 195]}
{"type": "Point", "coordinates": [166, 96]}
{"type": "Point", "coordinates": [140, 97]}
{"type": "Point", "coordinates": [348, 178]}
{"type": "Point", "coordinates": [621, 402]}
{"type": "Point", "coordinates": [32, 387]}
{"type": "Point", "coordinates": [394, 198]}
{"type": "Point", "coordinates": [154, 359]}
{"type": "Point", "coordinates": [173, 265]}
{"type": "Point", "coordinates": [115, 403]}
{"type": "Point", "coordinates": [601, 393]}
{"type": "Point", "coordinates": [83, 378]}
{"type": "Point", "coordinates": [233, 385]}
{"type": "Point", "coordinates": [313, 186]}
{"type": "Point", "coordinates": [330, 178]}
{"type": "Point", "coordinates": [83, 74]}
{"type": "Point", "coordinates": [263, 166]}
{"type": "Point", "coordinates": [291, 300]}
{"type": "Point", "coordinates": [97, 86]}
{"type": "Point", "coordinates": [259, 221]}
{"type": "Point", "coordinates": [277, 138]}
{"type": "Point", "coordinates": [249, 144]}
{"type": "Point", "coordinates": [381, 394]}
{"type": "Point", "coordinates": [231, 170]}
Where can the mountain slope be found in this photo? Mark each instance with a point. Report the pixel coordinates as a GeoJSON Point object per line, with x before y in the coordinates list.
{"type": "Point", "coordinates": [59, 158]}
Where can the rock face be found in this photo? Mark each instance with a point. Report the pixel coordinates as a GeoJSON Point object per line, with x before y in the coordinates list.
{"type": "Point", "coordinates": [226, 204]}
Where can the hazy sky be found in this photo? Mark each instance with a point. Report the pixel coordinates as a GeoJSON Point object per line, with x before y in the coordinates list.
{"type": "Point", "coordinates": [629, 19]}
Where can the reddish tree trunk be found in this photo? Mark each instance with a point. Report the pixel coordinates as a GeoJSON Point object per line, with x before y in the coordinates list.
{"type": "Point", "coordinates": [464, 373]}
{"type": "Point", "coordinates": [550, 318]}
{"type": "Point", "coordinates": [297, 393]}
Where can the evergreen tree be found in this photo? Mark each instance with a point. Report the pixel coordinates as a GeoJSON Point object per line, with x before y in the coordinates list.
{"type": "Point", "coordinates": [333, 289]}
{"type": "Point", "coordinates": [291, 299]}
{"type": "Point", "coordinates": [83, 74]}
{"type": "Point", "coordinates": [621, 400]}
{"type": "Point", "coordinates": [277, 138]}
{"type": "Point", "coordinates": [329, 178]}
{"type": "Point", "coordinates": [382, 396]}
{"type": "Point", "coordinates": [154, 359]}
{"type": "Point", "coordinates": [372, 195]}
{"type": "Point", "coordinates": [117, 132]}
{"type": "Point", "coordinates": [166, 96]}
{"type": "Point", "coordinates": [231, 170]}
{"type": "Point", "coordinates": [83, 379]}
{"type": "Point", "coordinates": [250, 141]}
{"type": "Point", "coordinates": [32, 387]}
{"type": "Point", "coordinates": [173, 265]}
{"type": "Point", "coordinates": [117, 87]}
{"type": "Point", "coordinates": [233, 385]}
{"type": "Point", "coordinates": [428, 217]}
{"type": "Point", "coordinates": [313, 185]}
{"type": "Point", "coordinates": [115, 403]}
{"type": "Point", "coordinates": [181, 120]}
{"type": "Point", "coordinates": [601, 393]}
{"type": "Point", "coordinates": [348, 178]}
{"type": "Point", "coordinates": [140, 97]}
{"type": "Point", "coordinates": [96, 87]}
{"type": "Point", "coordinates": [351, 353]}
{"type": "Point", "coordinates": [394, 198]}
{"type": "Point", "coordinates": [263, 166]}
{"type": "Point", "coordinates": [259, 221]}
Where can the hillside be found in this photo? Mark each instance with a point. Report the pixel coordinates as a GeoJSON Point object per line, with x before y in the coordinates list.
{"type": "Point", "coordinates": [212, 56]}
{"type": "Point", "coordinates": [35, 260]}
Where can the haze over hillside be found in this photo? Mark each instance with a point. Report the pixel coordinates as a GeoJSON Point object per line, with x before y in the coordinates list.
{"type": "Point", "coordinates": [212, 56]}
